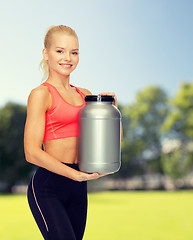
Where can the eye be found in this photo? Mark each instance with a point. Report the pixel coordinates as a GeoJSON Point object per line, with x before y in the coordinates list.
{"type": "Point", "coordinates": [59, 51]}
{"type": "Point", "coordinates": [75, 53]}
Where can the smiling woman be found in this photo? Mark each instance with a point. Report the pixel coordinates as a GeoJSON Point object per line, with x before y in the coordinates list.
{"type": "Point", "coordinates": [57, 193]}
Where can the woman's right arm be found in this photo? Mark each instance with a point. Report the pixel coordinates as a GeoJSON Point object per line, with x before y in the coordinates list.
{"type": "Point", "coordinates": [38, 103]}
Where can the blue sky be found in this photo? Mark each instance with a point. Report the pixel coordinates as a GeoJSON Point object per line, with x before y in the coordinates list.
{"type": "Point", "coordinates": [125, 45]}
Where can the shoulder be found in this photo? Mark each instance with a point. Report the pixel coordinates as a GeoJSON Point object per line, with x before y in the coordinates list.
{"type": "Point", "coordinates": [85, 91]}
{"type": "Point", "coordinates": [39, 92]}
{"type": "Point", "coordinates": [38, 95]}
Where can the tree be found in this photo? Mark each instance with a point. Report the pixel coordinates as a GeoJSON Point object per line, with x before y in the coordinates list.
{"type": "Point", "coordinates": [13, 166]}
{"type": "Point", "coordinates": [179, 120]}
{"type": "Point", "coordinates": [144, 133]}
{"type": "Point", "coordinates": [177, 163]}
{"type": "Point", "coordinates": [179, 125]}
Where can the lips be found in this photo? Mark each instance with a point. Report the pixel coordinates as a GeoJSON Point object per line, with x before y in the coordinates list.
{"type": "Point", "coordinates": [64, 65]}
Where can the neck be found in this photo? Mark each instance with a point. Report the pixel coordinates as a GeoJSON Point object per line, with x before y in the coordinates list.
{"type": "Point", "coordinates": [59, 81]}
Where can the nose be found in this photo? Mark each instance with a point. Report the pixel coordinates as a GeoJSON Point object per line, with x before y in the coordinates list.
{"type": "Point", "coordinates": [67, 56]}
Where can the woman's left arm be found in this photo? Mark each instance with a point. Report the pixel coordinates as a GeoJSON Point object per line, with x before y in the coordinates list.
{"type": "Point", "coordinates": [116, 105]}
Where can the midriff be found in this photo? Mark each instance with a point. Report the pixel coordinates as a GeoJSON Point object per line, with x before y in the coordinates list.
{"type": "Point", "coordinates": [64, 149]}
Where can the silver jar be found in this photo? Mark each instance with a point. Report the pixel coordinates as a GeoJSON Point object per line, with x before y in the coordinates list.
{"type": "Point", "coordinates": [99, 135]}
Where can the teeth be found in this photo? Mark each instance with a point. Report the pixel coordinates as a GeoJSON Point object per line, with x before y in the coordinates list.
{"type": "Point", "coordinates": [66, 65]}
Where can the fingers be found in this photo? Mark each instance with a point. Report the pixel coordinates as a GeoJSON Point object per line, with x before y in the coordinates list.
{"type": "Point", "coordinates": [92, 176]}
{"type": "Point", "coordinates": [107, 93]}
{"type": "Point", "coordinates": [105, 174]}
{"type": "Point", "coordinates": [111, 94]}
{"type": "Point", "coordinates": [87, 176]}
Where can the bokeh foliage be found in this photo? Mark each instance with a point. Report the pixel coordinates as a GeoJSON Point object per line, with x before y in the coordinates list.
{"type": "Point", "coordinates": [13, 167]}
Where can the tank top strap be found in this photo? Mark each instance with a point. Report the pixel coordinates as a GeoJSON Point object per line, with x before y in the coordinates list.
{"type": "Point", "coordinates": [50, 87]}
{"type": "Point", "coordinates": [54, 94]}
{"type": "Point", "coordinates": [78, 90]}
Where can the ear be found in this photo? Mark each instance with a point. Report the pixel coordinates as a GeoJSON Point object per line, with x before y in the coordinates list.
{"type": "Point", "coordinates": [45, 54]}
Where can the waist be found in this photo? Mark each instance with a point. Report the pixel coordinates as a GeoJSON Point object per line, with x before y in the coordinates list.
{"type": "Point", "coordinates": [72, 165]}
{"type": "Point", "coordinates": [64, 150]}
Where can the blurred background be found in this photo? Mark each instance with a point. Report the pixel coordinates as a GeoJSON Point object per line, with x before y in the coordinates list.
{"type": "Point", "coordinates": [142, 51]}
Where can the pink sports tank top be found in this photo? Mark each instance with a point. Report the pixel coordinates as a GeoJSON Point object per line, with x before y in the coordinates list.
{"type": "Point", "coordinates": [62, 117]}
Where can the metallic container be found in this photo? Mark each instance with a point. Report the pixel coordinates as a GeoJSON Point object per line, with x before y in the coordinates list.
{"type": "Point", "coordinates": [99, 135]}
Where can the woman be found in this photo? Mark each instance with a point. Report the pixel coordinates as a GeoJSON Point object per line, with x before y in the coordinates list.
{"type": "Point", "coordinates": [57, 193]}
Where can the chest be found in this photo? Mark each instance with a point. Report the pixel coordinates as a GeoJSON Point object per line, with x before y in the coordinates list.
{"type": "Point", "coordinates": [66, 113]}
{"type": "Point", "coordinates": [71, 97]}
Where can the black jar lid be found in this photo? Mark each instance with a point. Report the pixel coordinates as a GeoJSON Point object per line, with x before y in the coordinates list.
{"type": "Point", "coordinates": [99, 98]}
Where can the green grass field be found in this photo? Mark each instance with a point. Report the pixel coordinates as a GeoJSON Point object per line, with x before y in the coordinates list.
{"type": "Point", "coordinates": [112, 216]}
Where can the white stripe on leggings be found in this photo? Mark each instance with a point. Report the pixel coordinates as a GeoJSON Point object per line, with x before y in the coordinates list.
{"type": "Point", "coordinates": [38, 204]}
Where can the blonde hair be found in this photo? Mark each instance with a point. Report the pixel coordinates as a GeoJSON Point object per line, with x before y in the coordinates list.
{"type": "Point", "coordinates": [48, 40]}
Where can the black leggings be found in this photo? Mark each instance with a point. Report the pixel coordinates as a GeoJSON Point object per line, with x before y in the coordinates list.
{"type": "Point", "coordinates": [58, 204]}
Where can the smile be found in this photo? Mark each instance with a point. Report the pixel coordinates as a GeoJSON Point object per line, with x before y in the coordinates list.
{"type": "Point", "coordinates": [65, 65]}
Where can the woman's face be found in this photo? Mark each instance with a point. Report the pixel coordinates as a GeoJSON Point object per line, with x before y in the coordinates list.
{"type": "Point", "coordinates": [63, 54]}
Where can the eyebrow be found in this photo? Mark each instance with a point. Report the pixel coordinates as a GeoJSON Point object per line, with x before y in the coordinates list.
{"type": "Point", "coordinates": [72, 49]}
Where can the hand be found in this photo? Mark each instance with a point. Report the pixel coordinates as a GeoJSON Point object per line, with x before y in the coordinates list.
{"type": "Point", "coordinates": [111, 94]}
{"type": "Point", "coordinates": [90, 176]}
